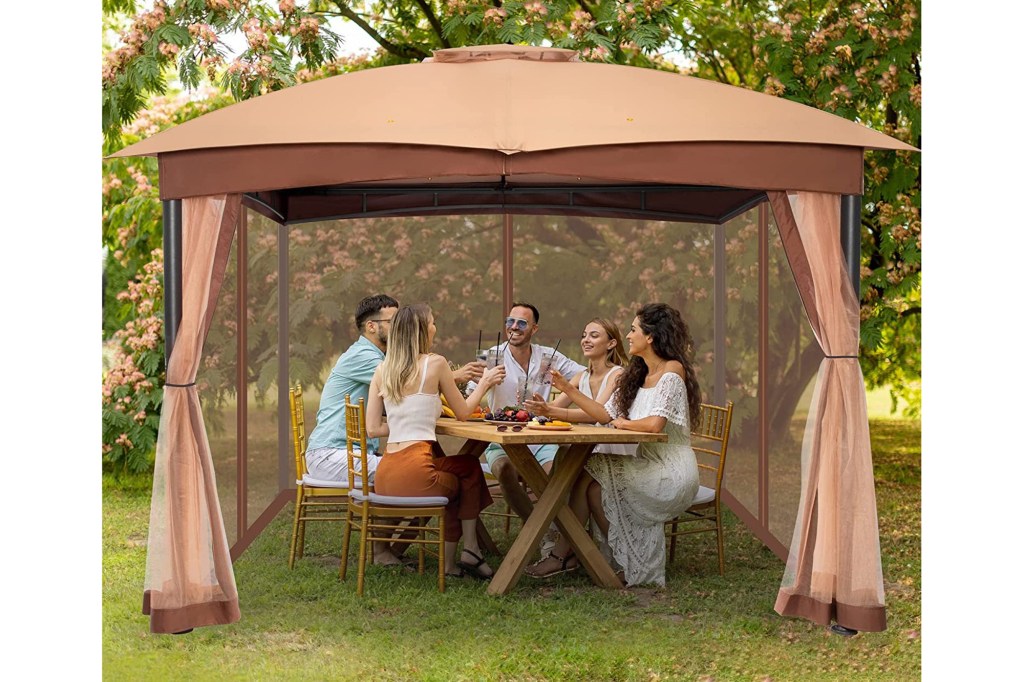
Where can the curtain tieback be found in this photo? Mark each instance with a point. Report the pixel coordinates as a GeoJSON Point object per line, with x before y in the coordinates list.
{"type": "Point", "coordinates": [827, 357]}
{"type": "Point", "coordinates": [179, 385]}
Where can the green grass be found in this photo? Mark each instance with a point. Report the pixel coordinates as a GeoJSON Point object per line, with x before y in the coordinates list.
{"type": "Point", "coordinates": [305, 624]}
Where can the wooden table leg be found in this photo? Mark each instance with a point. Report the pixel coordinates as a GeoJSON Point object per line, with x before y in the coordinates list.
{"type": "Point", "coordinates": [551, 503]}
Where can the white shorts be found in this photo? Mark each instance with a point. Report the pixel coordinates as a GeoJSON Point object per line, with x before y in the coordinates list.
{"type": "Point", "coordinates": [331, 464]}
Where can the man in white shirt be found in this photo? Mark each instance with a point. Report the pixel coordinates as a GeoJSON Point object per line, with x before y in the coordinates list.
{"type": "Point", "coordinates": [523, 360]}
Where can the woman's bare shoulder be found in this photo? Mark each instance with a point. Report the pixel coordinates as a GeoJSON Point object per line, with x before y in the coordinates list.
{"type": "Point", "coordinates": [675, 367]}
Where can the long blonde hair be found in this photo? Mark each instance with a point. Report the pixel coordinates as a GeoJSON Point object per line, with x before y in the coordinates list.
{"type": "Point", "coordinates": [616, 354]}
{"type": "Point", "coordinates": [407, 340]}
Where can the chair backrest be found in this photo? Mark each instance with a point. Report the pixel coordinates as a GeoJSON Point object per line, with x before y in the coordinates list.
{"type": "Point", "coordinates": [298, 430]}
{"type": "Point", "coordinates": [355, 432]}
{"type": "Point", "coordinates": [713, 429]}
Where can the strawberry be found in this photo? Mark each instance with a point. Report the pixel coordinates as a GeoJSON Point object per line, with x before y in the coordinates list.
{"type": "Point", "coordinates": [522, 416]}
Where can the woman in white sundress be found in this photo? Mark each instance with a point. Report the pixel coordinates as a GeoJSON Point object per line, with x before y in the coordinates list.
{"type": "Point", "coordinates": [631, 497]}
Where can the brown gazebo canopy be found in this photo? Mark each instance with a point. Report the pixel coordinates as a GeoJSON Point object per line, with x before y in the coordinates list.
{"type": "Point", "coordinates": [508, 129]}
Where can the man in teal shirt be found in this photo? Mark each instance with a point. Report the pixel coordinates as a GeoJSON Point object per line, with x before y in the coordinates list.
{"type": "Point", "coordinates": [326, 457]}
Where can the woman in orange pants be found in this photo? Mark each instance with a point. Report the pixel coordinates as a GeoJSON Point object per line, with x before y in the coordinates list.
{"type": "Point", "coordinates": [408, 385]}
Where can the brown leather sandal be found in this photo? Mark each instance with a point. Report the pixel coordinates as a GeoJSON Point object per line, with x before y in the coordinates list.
{"type": "Point", "coordinates": [562, 567]}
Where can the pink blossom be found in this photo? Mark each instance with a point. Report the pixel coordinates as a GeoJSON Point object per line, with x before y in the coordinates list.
{"type": "Point", "coordinates": [495, 15]}
{"type": "Point", "coordinates": [169, 50]}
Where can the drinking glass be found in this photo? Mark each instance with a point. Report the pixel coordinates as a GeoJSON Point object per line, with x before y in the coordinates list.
{"type": "Point", "coordinates": [495, 358]}
{"type": "Point", "coordinates": [521, 395]}
{"type": "Point", "coordinates": [545, 367]}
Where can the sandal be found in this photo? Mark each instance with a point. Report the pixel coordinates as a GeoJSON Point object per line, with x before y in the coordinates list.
{"type": "Point", "coordinates": [562, 567]}
{"type": "Point", "coordinates": [474, 569]}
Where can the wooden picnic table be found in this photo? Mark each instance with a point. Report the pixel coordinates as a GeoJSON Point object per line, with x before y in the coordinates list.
{"type": "Point", "coordinates": [553, 494]}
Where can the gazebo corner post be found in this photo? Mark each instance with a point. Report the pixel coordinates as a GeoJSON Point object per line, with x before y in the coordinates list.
{"type": "Point", "coordinates": [849, 236]}
{"type": "Point", "coordinates": [720, 302]}
{"type": "Point", "coordinates": [172, 273]}
{"type": "Point", "coordinates": [284, 461]}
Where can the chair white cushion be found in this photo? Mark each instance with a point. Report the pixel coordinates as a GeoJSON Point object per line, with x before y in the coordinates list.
{"type": "Point", "coordinates": [704, 495]}
{"type": "Point", "coordinates": [323, 483]}
{"type": "Point", "coordinates": [394, 501]}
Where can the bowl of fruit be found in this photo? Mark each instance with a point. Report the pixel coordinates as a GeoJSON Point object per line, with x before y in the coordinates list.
{"type": "Point", "coordinates": [510, 414]}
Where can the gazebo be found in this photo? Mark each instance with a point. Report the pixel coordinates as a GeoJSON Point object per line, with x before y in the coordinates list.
{"type": "Point", "coordinates": [492, 174]}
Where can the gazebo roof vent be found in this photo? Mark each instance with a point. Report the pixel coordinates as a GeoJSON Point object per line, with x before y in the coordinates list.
{"type": "Point", "coordinates": [487, 53]}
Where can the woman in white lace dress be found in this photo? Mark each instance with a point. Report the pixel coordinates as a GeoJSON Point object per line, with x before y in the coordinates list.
{"type": "Point", "coordinates": [631, 497]}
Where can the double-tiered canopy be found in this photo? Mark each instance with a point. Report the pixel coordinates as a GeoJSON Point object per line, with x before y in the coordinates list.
{"type": "Point", "coordinates": [513, 130]}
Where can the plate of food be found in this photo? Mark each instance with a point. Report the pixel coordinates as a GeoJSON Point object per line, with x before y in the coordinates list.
{"type": "Point", "coordinates": [550, 425]}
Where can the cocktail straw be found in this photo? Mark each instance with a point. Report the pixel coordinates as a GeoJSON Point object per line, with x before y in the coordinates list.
{"type": "Point", "coordinates": [480, 341]}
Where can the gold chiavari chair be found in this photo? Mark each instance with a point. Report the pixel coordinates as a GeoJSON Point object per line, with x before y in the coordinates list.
{"type": "Point", "coordinates": [315, 499]}
{"type": "Point", "coordinates": [378, 518]}
{"type": "Point", "coordinates": [710, 443]}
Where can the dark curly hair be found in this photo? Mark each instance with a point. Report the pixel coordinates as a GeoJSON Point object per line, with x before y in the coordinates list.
{"type": "Point", "coordinates": [670, 338]}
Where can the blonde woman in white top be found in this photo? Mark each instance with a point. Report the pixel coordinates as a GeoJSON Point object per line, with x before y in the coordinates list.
{"type": "Point", "coordinates": [408, 384]}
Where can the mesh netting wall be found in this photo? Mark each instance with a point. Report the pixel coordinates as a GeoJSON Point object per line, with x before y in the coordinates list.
{"type": "Point", "coordinates": [571, 268]}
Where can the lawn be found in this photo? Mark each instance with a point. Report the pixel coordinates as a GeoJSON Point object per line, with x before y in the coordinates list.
{"type": "Point", "coordinates": [305, 624]}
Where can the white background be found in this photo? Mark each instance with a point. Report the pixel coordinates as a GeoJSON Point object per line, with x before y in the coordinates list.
{"type": "Point", "coordinates": [50, 284]}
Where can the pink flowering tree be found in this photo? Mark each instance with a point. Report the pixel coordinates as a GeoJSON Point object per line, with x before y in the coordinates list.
{"type": "Point", "coordinates": [133, 286]}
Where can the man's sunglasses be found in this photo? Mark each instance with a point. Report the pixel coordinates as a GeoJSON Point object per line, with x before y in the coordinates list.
{"type": "Point", "coordinates": [516, 323]}
{"type": "Point", "coordinates": [507, 427]}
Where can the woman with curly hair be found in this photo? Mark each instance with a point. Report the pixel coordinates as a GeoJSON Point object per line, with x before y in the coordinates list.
{"type": "Point", "coordinates": [631, 497]}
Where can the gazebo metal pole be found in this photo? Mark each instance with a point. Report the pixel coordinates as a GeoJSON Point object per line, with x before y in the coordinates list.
{"type": "Point", "coordinates": [849, 235]}
{"type": "Point", "coordinates": [507, 256]}
{"type": "Point", "coordinates": [718, 397]}
{"type": "Point", "coordinates": [172, 273]}
{"type": "Point", "coordinates": [762, 365]}
{"type": "Point", "coordinates": [241, 378]}
{"type": "Point", "coordinates": [284, 461]}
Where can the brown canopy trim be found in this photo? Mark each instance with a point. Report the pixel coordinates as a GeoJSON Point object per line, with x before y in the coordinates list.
{"type": "Point", "coordinates": [747, 165]}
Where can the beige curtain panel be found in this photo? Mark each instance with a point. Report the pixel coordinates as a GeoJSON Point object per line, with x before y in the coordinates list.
{"type": "Point", "coordinates": [189, 578]}
{"type": "Point", "coordinates": [834, 570]}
